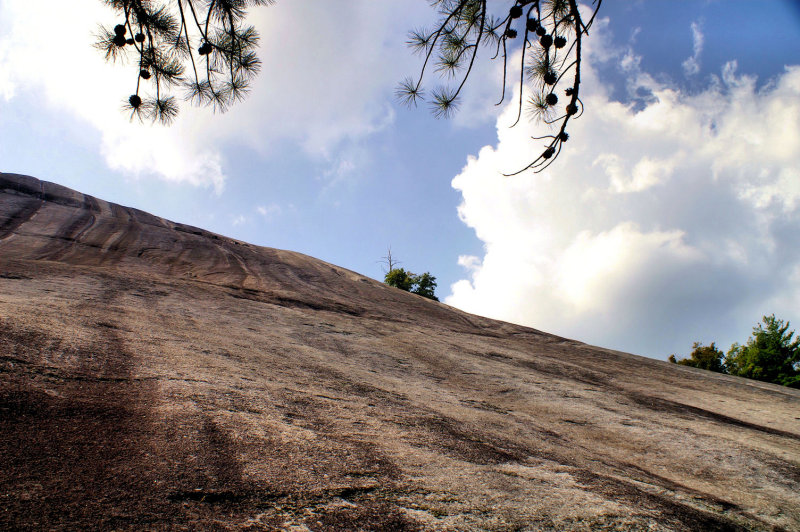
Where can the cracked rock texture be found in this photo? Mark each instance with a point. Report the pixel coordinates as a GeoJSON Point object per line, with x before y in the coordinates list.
{"type": "Point", "coordinates": [158, 376]}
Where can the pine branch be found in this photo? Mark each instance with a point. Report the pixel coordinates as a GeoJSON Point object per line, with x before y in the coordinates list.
{"type": "Point", "coordinates": [551, 35]}
{"type": "Point", "coordinates": [161, 35]}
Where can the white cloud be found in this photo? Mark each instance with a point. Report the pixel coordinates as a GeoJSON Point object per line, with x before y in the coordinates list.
{"type": "Point", "coordinates": [327, 74]}
{"type": "Point", "coordinates": [71, 76]}
{"type": "Point", "coordinates": [327, 79]}
{"type": "Point", "coordinates": [269, 211]}
{"type": "Point", "coordinates": [239, 220]}
{"type": "Point", "coordinates": [692, 64]}
{"type": "Point", "coordinates": [645, 173]}
{"type": "Point", "coordinates": [673, 220]}
{"type": "Point", "coordinates": [470, 262]}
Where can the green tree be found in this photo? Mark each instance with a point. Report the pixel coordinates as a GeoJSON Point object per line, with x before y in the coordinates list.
{"type": "Point", "coordinates": [769, 355]}
{"type": "Point", "coordinates": [423, 284]}
{"type": "Point", "coordinates": [703, 357]}
{"type": "Point", "coordinates": [399, 278]}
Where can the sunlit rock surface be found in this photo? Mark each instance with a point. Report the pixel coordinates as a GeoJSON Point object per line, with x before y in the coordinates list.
{"type": "Point", "coordinates": [157, 376]}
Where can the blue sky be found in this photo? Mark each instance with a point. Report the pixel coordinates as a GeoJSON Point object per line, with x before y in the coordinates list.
{"type": "Point", "coordinates": [672, 215]}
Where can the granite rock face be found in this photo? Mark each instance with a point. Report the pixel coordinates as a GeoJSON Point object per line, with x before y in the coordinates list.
{"type": "Point", "coordinates": [158, 376]}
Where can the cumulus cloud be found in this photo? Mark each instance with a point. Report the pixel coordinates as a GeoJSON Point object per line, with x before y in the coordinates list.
{"type": "Point", "coordinates": [692, 64]}
{"type": "Point", "coordinates": [326, 81]}
{"type": "Point", "coordinates": [661, 223]}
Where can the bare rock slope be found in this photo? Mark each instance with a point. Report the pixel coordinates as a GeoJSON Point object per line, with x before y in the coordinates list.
{"type": "Point", "coordinates": [157, 376]}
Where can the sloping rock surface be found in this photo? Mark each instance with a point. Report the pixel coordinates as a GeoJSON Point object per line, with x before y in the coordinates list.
{"type": "Point", "coordinates": [158, 376]}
